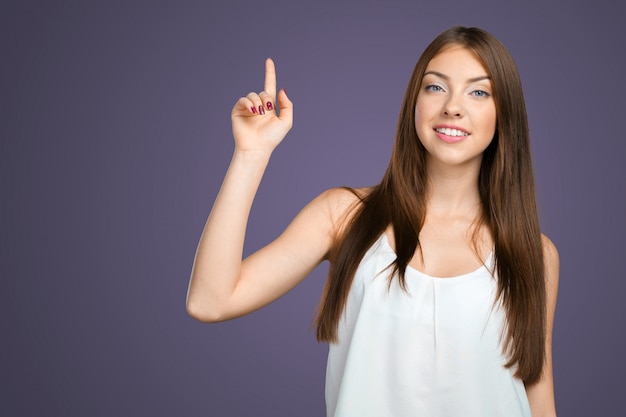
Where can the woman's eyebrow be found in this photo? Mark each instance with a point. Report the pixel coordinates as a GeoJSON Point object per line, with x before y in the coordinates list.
{"type": "Point", "coordinates": [445, 77]}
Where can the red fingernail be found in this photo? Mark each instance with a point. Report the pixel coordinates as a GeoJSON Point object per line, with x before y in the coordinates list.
{"type": "Point", "coordinates": [261, 110]}
{"type": "Point", "coordinates": [269, 105]}
{"type": "Point", "coordinates": [253, 109]}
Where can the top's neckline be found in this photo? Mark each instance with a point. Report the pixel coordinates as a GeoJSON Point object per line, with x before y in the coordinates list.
{"type": "Point", "coordinates": [409, 268]}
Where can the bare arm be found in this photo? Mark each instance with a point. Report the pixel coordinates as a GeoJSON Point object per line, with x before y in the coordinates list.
{"type": "Point", "coordinates": [541, 394]}
{"type": "Point", "coordinates": [222, 286]}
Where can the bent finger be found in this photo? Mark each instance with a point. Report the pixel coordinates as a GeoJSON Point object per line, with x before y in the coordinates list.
{"type": "Point", "coordinates": [257, 103]}
{"type": "Point", "coordinates": [268, 100]}
{"type": "Point", "coordinates": [245, 104]}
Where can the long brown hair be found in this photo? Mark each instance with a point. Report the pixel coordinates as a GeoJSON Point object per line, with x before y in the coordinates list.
{"type": "Point", "coordinates": [507, 195]}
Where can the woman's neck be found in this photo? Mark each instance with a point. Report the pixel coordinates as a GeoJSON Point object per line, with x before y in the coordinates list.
{"type": "Point", "coordinates": [453, 190]}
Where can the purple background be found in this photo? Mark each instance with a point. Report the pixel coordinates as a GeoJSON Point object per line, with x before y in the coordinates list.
{"type": "Point", "coordinates": [115, 136]}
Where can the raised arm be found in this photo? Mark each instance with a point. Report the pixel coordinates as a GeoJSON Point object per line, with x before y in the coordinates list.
{"type": "Point", "coordinates": [222, 286]}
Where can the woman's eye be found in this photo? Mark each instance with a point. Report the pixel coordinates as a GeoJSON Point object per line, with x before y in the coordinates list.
{"type": "Point", "coordinates": [480, 93]}
{"type": "Point", "coordinates": [433, 88]}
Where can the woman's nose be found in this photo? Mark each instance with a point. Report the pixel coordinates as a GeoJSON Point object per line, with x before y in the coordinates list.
{"type": "Point", "coordinates": [453, 107]}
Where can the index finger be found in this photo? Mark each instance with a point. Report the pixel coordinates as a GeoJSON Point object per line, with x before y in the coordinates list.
{"type": "Point", "coordinates": [270, 78]}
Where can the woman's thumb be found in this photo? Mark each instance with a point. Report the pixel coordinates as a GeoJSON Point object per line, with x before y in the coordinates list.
{"type": "Point", "coordinates": [286, 107]}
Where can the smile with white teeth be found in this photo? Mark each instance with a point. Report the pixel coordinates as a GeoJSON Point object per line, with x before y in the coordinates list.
{"type": "Point", "coordinates": [451, 132]}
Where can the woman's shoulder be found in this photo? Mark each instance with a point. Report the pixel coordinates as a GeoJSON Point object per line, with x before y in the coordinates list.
{"type": "Point", "coordinates": [551, 262]}
{"type": "Point", "coordinates": [342, 203]}
{"type": "Point", "coordinates": [343, 197]}
{"type": "Point", "coordinates": [550, 252]}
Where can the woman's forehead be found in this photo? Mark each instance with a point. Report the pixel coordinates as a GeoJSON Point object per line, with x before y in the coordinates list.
{"type": "Point", "coordinates": [457, 60]}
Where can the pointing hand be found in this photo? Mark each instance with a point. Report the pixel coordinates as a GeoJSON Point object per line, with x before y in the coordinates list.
{"type": "Point", "coordinates": [257, 126]}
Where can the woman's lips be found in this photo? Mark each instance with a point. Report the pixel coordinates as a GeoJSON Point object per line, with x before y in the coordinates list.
{"type": "Point", "coordinates": [451, 134]}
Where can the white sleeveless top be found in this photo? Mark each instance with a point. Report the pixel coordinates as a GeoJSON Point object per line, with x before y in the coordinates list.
{"type": "Point", "coordinates": [434, 351]}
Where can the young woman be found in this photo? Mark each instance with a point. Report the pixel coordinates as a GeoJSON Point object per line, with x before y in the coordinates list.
{"type": "Point", "coordinates": [441, 292]}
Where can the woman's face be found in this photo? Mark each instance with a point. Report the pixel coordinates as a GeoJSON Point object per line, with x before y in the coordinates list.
{"type": "Point", "coordinates": [455, 114]}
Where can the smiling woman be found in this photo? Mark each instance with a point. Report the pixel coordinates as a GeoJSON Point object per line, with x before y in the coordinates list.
{"type": "Point", "coordinates": [441, 291]}
{"type": "Point", "coordinates": [455, 107]}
